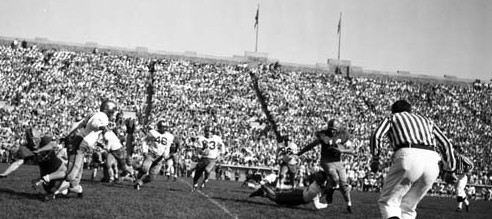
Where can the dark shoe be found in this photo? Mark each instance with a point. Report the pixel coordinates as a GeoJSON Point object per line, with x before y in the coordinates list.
{"type": "Point", "coordinates": [80, 195]}
{"type": "Point", "coordinates": [136, 186]}
{"type": "Point", "coordinates": [458, 209]}
{"type": "Point", "coordinates": [467, 207]}
{"type": "Point", "coordinates": [258, 192]}
{"type": "Point", "coordinates": [37, 183]}
{"type": "Point", "coordinates": [49, 197]}
{"type": "Point", "coordinates": [194, 188]}
{"type": "Point", "coordinates": [349, 209]}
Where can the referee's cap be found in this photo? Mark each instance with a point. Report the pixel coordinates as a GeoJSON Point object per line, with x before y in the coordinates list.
{"type": "Point", "coordinates": [401, 106]}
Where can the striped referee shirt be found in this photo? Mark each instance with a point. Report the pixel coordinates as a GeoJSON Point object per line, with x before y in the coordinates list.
{"type": "Point", "coordinates": [408, 128]}
{"type": "Point", "coordinates": [463, 164]}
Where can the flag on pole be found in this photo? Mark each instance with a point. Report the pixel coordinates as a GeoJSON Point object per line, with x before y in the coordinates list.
{"type": "Point", "coordinates": [340, 24]}
{"type": "Point", "coordinates": [257, 17]}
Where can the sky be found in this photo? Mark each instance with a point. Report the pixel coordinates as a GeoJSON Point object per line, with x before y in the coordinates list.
{"type": "Point", "coordinates": [430, 37]}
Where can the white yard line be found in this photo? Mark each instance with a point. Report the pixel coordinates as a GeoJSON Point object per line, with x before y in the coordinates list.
{"type": "Point", "coordinates": [211, 200]}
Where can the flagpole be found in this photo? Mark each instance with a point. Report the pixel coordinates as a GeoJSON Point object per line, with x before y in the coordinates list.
{"type": "Point", "coordinates": [339, 41]}
{"type": "Point", "coordinates": [257, 27]}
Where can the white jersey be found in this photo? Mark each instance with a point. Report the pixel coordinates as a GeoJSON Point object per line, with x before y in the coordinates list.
{"type": "Point", "coordinates": [213, 147]}
{"type": "Point", "coordinates": [90, 128]}
{"type": "Point", "coordinates": [159, 144]}
{"type": "Point", "coordinates": [113, 143]}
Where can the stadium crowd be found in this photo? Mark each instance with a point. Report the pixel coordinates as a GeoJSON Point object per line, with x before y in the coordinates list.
{"type": "Point", "coordinates": [49, 89]}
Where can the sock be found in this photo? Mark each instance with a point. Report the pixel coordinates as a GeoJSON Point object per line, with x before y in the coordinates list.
{"type": "Point", "coordinates": [46, 178]}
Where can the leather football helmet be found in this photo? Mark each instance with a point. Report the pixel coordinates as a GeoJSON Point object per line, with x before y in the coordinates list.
{"type": "Point", "coordinates": [161, 126]}
{"type": "Point", "coordinates": [109, 107]}
{"type": "Point", "coordinates": [334, 125]}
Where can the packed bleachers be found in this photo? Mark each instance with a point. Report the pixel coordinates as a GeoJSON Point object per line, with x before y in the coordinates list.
{"type": "Point", "coordinates": [49, 89]}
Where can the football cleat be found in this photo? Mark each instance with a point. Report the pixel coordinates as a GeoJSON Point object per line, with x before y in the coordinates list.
{"type": "Point", "coordinates": [258, 192]}
{"type": "Point", "coordinates": [195, 187]}
{"type": "Point", "coordinates": [37, 183]}
{"type": "Point", "coordinates": [136, 186]}
{"type": "Point", "coordinates": [49, 197]}
{"type": "Point", "coordinates": [202, 185]}
{"type": "Point", "coordinates": [349, 209]}
{"type": "Point", "coordinates": [458, 209]}
{"type": "Point", "coordinates": [467, 207]}
{"type": "Point", "coordinates": [80, 195]}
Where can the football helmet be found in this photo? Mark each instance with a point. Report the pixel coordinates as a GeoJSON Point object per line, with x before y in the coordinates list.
{"type": "Point", "coordinates": [161, 126]}
{"type": "Point", "coordinates": [334, 124]}
{"type": "Point", "coordinates": [33, 138]}
{"type": "Point", "coordinates": [207, 131]}
{"type": "Point", "coordinates": [109, 107]}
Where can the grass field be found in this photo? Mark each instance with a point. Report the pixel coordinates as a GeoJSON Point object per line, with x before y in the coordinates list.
{"type": "Point", "coordinates": [163, 199]}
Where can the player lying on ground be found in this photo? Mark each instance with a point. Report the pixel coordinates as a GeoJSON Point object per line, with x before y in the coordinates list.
{"type": "Point", "coordinates": [255, 180]}
{"type": "Point", "coordinates": [42, 150]}
{"type": "Point", "coordinates": [312, 193]}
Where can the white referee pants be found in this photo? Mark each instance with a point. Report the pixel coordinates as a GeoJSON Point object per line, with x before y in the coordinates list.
{"type": "Point", "coordinates": [409, 178]}
{"type": "Point", "coordinates": [461, 184]}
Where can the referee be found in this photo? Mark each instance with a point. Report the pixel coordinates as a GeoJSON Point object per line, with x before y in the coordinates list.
{"type": "Point", "coordinates": [415, 162]}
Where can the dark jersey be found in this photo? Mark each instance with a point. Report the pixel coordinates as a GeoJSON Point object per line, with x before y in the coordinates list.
{"type": "Point", "coordinates": [174, 146]}
{"type": "Point", "coordinates": [329, 140]}
{"type": "Point", "coordinates": [48, 162]}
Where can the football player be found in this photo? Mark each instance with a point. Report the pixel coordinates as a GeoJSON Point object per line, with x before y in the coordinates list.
{"type": "Point", "coordinates": [212, 148]}
{"type": "Point", "coordinates": [81, 139]}
{"type": "Point", "coordinates": [159, 146]}
{"type": "Point", "coordinates": [116, 158]}
{"type": "Point", "coordinates": [309, 194]}
{"type": "Point", "coordinates": [172, 163]}
{"type": "Point", "coordinates": [334, 141]}
{"type": "Point", "coordinates": [288, 162]}
{"type": "Point", "coordinates": [42, 150]}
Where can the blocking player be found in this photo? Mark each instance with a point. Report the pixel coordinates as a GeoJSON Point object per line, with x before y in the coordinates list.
{"type": "Point", "coordinates": [212, 148]}
{"type": "Point", "coordinates": [25, 151]}
{"type": "Point", "coordinates": [116, 157]}
{"type": "Point", "coordinates": [312, 193]}
{"type": "Point", "coordinates": [159, 145]}
{"type": "Point", "coordinates": [43, 151]}
{"type": "Point", "coordinates": [82, 139]}
{"type": "Point", "coordinates": [334, 141]}
{"type": "Point", "coordinates": [172, 163]}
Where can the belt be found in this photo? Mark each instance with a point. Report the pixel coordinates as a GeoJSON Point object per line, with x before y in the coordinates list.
{"type": "Point", "coordinates": [419, 146]}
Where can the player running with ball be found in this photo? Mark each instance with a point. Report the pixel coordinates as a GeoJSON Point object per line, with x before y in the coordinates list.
{"type": "Point", "coordinates": [334, 141]}
{"type": "Point", "coordinates": [212, 148]}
